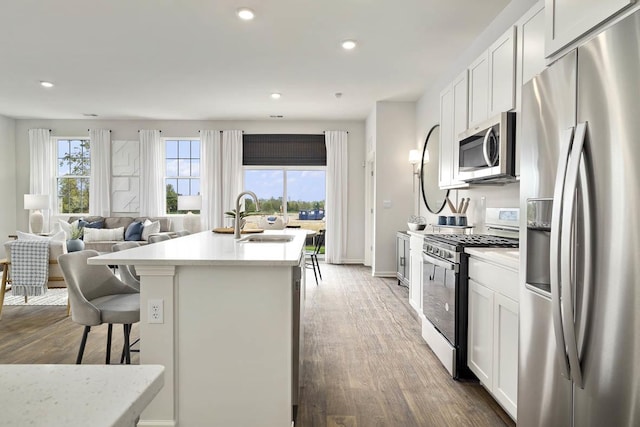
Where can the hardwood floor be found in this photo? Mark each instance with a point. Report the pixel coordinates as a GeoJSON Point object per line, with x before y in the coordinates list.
{"type": "Point", "coordinates": [365, 363]}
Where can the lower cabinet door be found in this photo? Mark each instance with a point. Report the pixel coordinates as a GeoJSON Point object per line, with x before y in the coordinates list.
{"type": "Point", "coordinates": [505, 352]}
{"type": "Point", "coordinates": [480, 332]}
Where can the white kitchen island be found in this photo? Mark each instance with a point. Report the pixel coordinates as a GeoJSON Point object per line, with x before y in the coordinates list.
{"type": "Point", "coordinates": [226, 337]}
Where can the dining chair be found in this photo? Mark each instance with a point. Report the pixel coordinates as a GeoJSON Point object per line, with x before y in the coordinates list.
{"type": "Point", "coordinates": [97, 296]}
{"type": "Point", "coordinates": [312, 256]}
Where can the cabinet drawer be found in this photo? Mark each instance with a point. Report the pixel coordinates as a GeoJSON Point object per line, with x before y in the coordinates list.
{"type": "Point", "coordinates": [495, 277]}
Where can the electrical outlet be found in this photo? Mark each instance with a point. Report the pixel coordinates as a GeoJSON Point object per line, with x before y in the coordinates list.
{"type": "Point", "coordinates": [155, 312]}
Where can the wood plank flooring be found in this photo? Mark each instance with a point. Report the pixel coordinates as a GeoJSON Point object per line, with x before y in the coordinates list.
{"type": "Point", "coordinates": [365, 363]}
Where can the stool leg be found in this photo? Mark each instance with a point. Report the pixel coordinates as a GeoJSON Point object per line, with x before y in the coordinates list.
{"type": "Point", "coordinates": [82, 344]}
{"type": "Point", "coordinates": [127, 330]}
{"type": "Point", "coordinates": [109, 332]}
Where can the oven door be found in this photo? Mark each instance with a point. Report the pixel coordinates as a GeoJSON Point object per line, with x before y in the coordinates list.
{"type": "Point", "coordinates": [439, 282]}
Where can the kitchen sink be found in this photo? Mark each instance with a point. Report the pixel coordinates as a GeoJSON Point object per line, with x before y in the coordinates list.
{"type": "Point", "coordinates": [267, 238]}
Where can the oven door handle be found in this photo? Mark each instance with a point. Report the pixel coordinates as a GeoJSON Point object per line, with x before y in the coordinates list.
{"type": "Point", "coordinates": [440, 263]}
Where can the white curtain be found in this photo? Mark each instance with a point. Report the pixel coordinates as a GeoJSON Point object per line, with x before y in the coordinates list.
{"type": "Point", "coordinates": [211, 214]}
{"type": "Point", "coordinates": [231, 168]}
{"type": "Point", "coordinates": [336, 206]}
{"type": "Point", "coordinates": [100, 184]}
{"type": "Point", "coordinates": [42, 155]}
{"type": "Point", "coordinates": [152, 186]}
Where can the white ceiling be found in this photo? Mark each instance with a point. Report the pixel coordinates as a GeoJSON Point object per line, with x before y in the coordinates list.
{"type": "Point", "coordinates": [194, 59]}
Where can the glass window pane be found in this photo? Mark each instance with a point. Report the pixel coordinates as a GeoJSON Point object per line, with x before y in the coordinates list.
{"type": "Point", "coordinates": [172, 167]}
{"type": "Point", "coordinates": [306, 194]}
{"type": "Point", "coordinates": [172, 149]}
{"type": "Point", "coordinates": [63, 148]}
{"type": "Point", "coordinates": [184, 167]}
{"type": "Point", "coordinates": [195, 187]}
{"type": "Point", "coordinates": [63, 168]}
{"type": "Point", "coordinates": [184, 149]}
{"type": "Point", "coordinates": [172, 195]}
{"type": "Point", "coordinates": [76, 146]}
{"type": "Point", "coordinates": [268, 186]}
{"type": "Point", "coordinates": [195, 167]}
{"type": "Point", "coordinates": [195, 149]}
{"type": "Point", "coordinates": [183, 187]}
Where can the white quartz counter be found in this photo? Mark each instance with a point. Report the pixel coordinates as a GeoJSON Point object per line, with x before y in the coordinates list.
{"type": "Point", "coordinates": [77, 395]}
{"type": "Point", "coordinates": [509, 257]}
{"type": "Point", "coordinates": [208, 248]}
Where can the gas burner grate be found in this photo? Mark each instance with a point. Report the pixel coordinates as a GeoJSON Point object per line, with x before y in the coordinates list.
{"type": "Point", "coordinates": [477, 240]}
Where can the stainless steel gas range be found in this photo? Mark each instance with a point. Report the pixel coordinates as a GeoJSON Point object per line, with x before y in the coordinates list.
{"type": "Point", "coordinates": [445, 288]}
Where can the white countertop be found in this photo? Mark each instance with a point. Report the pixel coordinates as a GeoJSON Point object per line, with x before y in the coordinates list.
{"type": "Point", "coordinates": [77, 395]}
{"type": "Point", "coordinates": [509, 257]}
{"type": "Point", "coordinates": [208, 248]}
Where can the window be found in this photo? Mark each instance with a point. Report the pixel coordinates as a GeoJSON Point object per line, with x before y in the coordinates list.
{"type": "Point", "coordinates": [74, 172]}
{"type": "Point", "coordinates": [287, 172]}
{"type": "Point", "coordinates": [182, 171]}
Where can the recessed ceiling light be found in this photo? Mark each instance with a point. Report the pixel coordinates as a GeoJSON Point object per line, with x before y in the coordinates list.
{"type": "Point", "coordinates": [275, 95]}
{"type": "Point", "coordinates": [349, 44]}
{"type": "Point", "coordinates": [276, 116]}
{"type": "Point", "coordinates": [46, 84]}
{"type": "Point", "coordinates": [245, 13]}
{"type": "Point", "coordinates": [90, 115]}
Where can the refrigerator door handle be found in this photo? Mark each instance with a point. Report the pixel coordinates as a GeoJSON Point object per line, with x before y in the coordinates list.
{"type": "Point", "coordinates": [554, 255]}
{"type": "Point", "coordinates": [567, 248]}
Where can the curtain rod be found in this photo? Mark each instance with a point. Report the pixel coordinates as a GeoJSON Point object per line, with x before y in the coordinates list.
{"type": "Point", "coordinates": [324, 131]}
{"type": "Point", "coordinates": [89, 130]}
{"type": "Point", "coordinates": [143, 129]}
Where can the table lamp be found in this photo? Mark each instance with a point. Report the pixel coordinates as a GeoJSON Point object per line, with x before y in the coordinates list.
{"type": "Point", "coordinates": [190, 221]}
{"type": "Point", "coordinates": [36, 202]}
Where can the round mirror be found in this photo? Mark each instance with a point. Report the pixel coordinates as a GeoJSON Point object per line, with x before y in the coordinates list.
{"type": "Point", "coordinates": [433, 196]}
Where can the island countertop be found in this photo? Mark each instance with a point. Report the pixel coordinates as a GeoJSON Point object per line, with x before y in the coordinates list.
{"type": "Point", "coordinates": [77, 395]}
{"type": "Point", "coordinates": [208, 248]}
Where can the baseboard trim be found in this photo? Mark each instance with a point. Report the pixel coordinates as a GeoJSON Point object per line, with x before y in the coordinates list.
{"type": "Point", "coordinates": [384, 274]}
{"type": "Point", "coordinates": [157, 423]}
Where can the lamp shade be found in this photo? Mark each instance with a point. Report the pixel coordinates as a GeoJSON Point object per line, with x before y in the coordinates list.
{"type": "Point", "coordinates": [414, 157]}
{"type": "Point", "coordinates": [189, 203]}
{"type": "Point", "coordinates": [36, 201]}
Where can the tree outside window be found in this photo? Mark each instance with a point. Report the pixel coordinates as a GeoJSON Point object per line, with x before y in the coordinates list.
{"type": "Point", "coordinates": [74, 172]}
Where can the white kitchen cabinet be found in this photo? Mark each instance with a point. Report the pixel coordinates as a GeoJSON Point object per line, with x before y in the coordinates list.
{"type": "Point", "coordinates": [480, 333]}
{"type": "Point", "coordinates": [505, 352]}
{"type": "Point", "coordinates": [479, 89]}
{"type": "Point", "coordinates": [530, 59]}
{"type": "Point", "coordinates": [492, 352]}
{"type": "Point", "coordinates": [568, 20]}
{"type": "Point", "coordinates": [402, 258]}
{"type": "Point", "coordinates": [502, 73]}
{"type": "Point", "coordinates": [415, 277]}
{"type": "Point", "coordinates": [453, 121]}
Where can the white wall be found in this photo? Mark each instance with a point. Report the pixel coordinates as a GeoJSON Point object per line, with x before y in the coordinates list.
{"type": "Point", "coordinates": [8, 179]}
{"type": "Point", "coordinates": [428, 114]}
{"type": "Point", "coordinates": [392, 196]}
{"type": "Point", "coordinates": [128, 130]}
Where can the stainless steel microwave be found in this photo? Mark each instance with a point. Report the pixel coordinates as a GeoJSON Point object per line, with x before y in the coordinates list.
{"type": "Point", "coordinates": [486, 153]}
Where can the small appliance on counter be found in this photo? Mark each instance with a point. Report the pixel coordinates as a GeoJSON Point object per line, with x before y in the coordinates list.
{"type": "Point", "coordinates": [445, 285]}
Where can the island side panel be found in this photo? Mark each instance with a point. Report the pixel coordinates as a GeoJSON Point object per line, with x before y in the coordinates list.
{"type": "Point", "coordinates": [156, 342]}
{"type": "Point", "coordinates": [234, 344]}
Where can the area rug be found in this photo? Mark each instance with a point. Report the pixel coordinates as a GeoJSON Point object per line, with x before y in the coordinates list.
{"type": "Point", "coordinates": [55, 296]}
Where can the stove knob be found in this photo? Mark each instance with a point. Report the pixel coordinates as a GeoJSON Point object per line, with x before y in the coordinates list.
{"type": "Point", "coordinates": [437, 251]}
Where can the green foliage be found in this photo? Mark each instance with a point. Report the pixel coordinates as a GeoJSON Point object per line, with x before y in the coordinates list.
{"type": "Point", "coordinates": [73, 189]}
{"type": "Point", "coordinates": [243, 214]}
{"type": "Point", "coordinates": [76, 232]}
{"type": "Point", "coordinates": [273, 205]}
{"type": "Point", "coordinates": [172, 200]}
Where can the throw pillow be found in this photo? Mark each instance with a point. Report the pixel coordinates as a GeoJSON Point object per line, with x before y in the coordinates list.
{"type": "Point", "coordinates": [95, 224]}
{"type": "Point", "coordinates": [150, 228]}
{"type": "Point", "coordinates": [103, 234]}
{"type": "Point", "coordinates": [134, 231]}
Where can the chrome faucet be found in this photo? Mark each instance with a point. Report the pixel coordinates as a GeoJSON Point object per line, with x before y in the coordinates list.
{"type": "Point", "coordinates": [236, 225]}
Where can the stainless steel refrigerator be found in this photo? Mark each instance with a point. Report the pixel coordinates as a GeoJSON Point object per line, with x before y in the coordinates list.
{"type": "Point", "coordinates": [579, 354]}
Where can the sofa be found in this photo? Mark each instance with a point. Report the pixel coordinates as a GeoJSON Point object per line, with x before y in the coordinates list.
{"type": "Point", "coordinates": [99, 231]}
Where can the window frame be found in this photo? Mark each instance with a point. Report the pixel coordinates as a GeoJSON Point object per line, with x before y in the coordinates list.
{"type": "Point", "coordinates": [57, 177]}
{"type": "Point", "coordinates": [190, 177]}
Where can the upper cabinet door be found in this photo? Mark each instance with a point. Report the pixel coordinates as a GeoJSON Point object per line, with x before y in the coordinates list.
{"type": "Point", "coordinates": [568, 20]}
{"type": "Point", "coordinates": [502, 73]}
{"type": "Point", "coordinates": [479, 90]}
